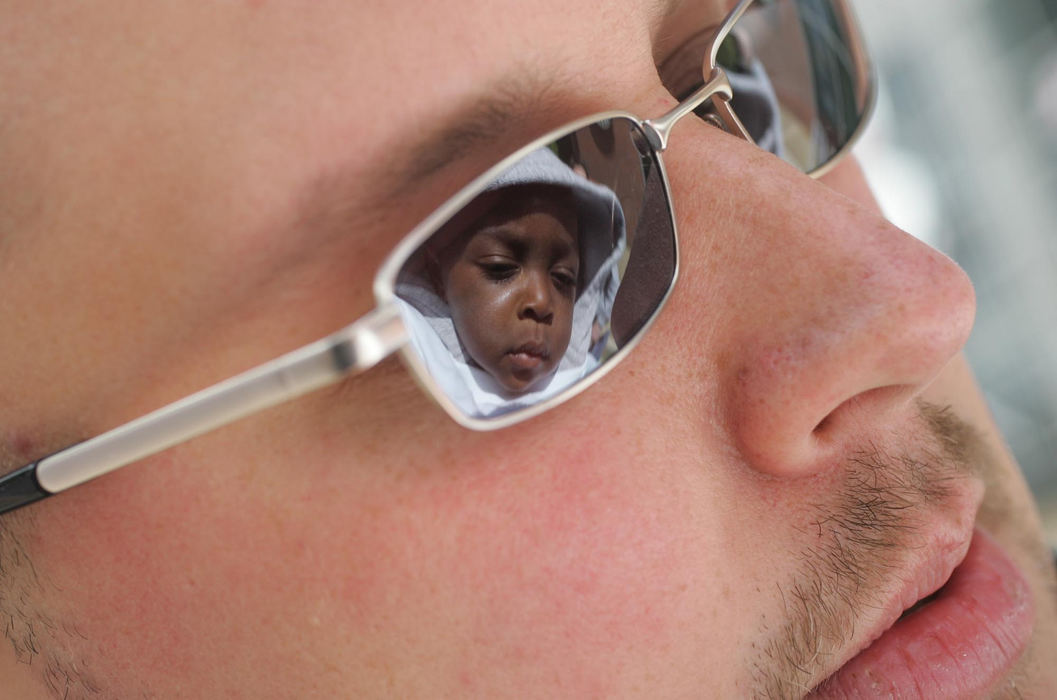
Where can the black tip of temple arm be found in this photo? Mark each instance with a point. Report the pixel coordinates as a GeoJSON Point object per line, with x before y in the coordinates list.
{"type": "Point", "coordinates": [20, 488]}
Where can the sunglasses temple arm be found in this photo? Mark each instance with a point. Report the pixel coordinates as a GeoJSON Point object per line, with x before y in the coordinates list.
{"type": "Point", "coordinates": [350, 351]}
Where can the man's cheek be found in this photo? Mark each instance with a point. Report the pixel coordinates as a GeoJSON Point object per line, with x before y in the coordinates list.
{"type": "Point", "coordinates": [541, 560]}
{"type": "Point", "coordinates": [141, 586]}
{"type": "Point", "coordinates": [489, 554]}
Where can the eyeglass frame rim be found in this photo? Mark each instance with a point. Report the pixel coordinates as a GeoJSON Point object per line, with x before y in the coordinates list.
{"type": "Point", "coordinates": [385, 279]}
{"type": "Point", "coordinates": [380, 333]}
{"type": "Point", "coordinates": [865, 74]}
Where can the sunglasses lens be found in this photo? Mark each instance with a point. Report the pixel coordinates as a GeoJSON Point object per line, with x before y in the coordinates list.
{"type": "Point", "coordinates": [551, 271]}
{"type": "Point", "coordinates": [801, 81]}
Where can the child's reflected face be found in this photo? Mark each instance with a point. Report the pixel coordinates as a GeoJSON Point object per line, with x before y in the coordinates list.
{"type": "Point", "coordinates": [511, 283]}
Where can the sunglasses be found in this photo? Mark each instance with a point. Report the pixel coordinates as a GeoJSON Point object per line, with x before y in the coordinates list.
{"type": "Point", "coordinates": [544, 272]}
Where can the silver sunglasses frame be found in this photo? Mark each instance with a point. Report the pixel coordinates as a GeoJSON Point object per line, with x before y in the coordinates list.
{"type": "Point", "coordinates": [385, 280]}
{"type": "Point", "coordinates": [381, 332]}
{"type": "Point", "coordinates": [862, 68]}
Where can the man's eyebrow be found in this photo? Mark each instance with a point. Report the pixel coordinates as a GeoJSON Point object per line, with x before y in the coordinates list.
{"type": "Point", "coordinates": [490, 118]}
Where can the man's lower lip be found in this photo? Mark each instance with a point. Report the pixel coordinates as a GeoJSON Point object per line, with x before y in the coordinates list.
{"type": "Point", "coordinates": [958, 645]}
{"type": "Point", "coordinates": [524, 360]}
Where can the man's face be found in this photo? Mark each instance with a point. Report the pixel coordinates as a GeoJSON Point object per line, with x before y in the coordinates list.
{"type": "Point", "coordinates": [511, 284]}
{"type": "Point", "coordinates": [737, 509]}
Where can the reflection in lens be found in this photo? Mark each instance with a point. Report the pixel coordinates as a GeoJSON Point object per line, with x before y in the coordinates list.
{"type": "Point", "coordinates": [801, 85]}
{"type": "Point", "coordinates": [518, 296]}
{"type": "Point", "coordinates": [800, 81]}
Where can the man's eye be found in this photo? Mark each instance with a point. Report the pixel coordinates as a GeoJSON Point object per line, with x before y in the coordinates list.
{"type": "Point", "coordinates": [498, 270]}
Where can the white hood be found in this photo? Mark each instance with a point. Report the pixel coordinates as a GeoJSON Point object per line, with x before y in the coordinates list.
{"type": "Point", "coordinates": [602, 240]}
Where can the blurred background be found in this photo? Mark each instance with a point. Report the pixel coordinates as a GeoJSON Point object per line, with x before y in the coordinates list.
{"type": "Point", "coordinates": [962, 153]}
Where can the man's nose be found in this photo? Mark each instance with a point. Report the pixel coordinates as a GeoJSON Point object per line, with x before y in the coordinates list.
{"type": "Point", "coordinates": [535, 300]}
{"type": "Point", "coordinates": [823, 321]}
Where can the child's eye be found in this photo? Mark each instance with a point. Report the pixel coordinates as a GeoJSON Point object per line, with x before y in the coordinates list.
{"type": "Point", "coordinates": [564, 279]}
{"type": "Point", "coordinates": [498, 270]}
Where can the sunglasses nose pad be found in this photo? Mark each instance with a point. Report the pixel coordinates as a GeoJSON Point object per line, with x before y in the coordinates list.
{"type": "Point", "coordinates": [712, 119]}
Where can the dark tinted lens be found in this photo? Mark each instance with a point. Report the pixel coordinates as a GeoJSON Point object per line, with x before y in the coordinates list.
{"type": "Point", "coordinates": [544, 276]}
{"type": "Point", "coordinates": [801, 82]}
{"type": "Point", "coordinates": [804, 87]}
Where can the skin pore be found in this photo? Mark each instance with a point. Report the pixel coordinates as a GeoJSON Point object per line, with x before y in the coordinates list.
{"type": "Point", "coordinates": [195, 189]}
{"type": "Point", "coordinates": [511, 282]}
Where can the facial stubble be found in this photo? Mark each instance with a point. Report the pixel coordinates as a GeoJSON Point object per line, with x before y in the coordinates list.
{"type": "Point", "coordinates": [857, 540]}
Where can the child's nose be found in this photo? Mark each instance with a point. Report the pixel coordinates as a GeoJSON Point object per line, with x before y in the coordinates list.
{"type": "Point", "coordinates": [536, 302]}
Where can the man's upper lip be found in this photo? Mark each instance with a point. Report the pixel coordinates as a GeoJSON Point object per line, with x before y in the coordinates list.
{"type": "Point", "coordinates": [930, 569]}
{"type": "Point", "coordinates": [531, 348]}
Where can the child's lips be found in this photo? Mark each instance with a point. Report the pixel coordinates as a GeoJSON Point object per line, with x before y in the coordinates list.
{"type": "Point", "coordinates": [528, 356]}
